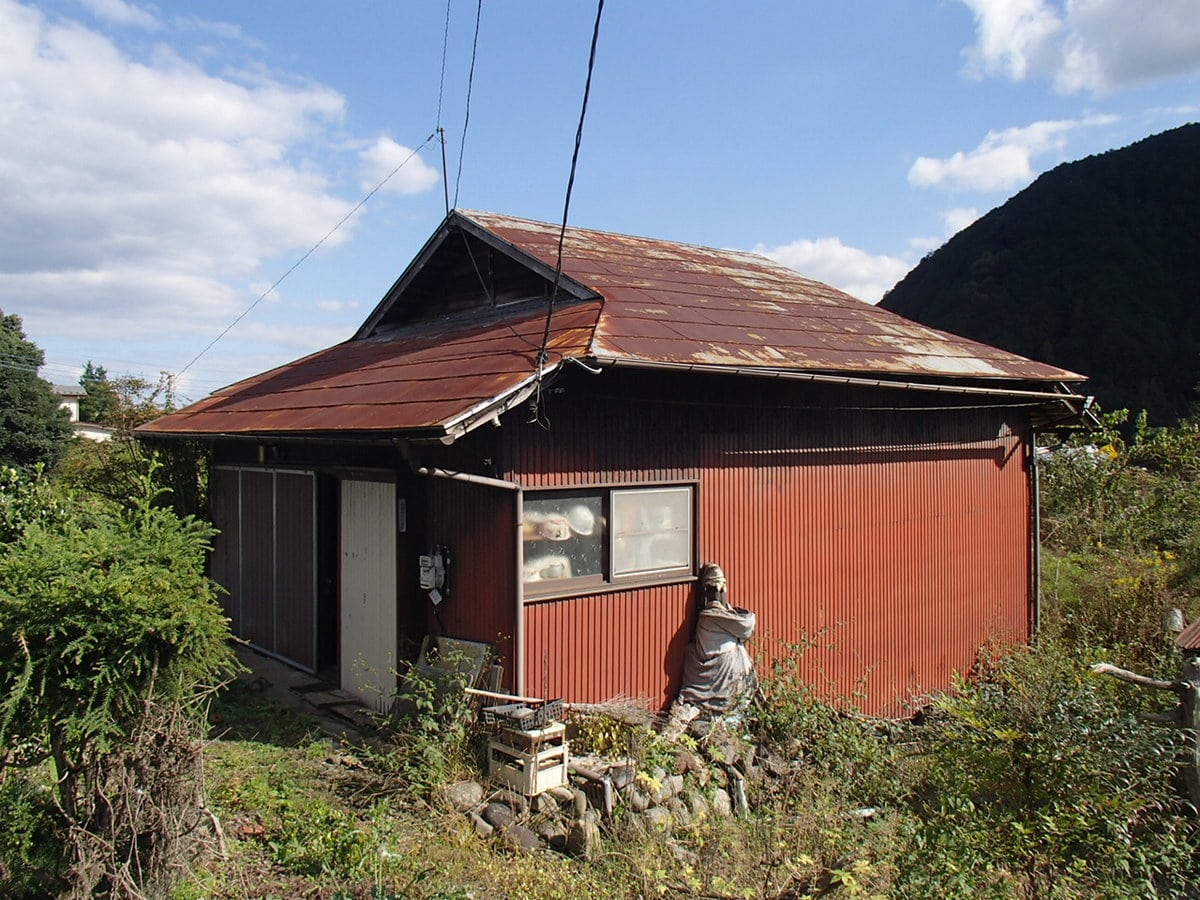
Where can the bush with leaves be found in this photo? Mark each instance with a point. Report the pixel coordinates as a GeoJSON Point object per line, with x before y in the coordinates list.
{"type": "Point", "coordinates": [114, 468]}
{"type": "Point", "coordinates": [1044, 783]}
{"type": "Point", "coordinates": [110, 640]}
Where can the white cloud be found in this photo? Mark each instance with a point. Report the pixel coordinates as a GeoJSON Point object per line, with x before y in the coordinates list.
{"type": "Point", "coordinates": [118, 12]}
{"type": "Point", "coordinates": [1002, 161]}
{"type": "Point", "coordinates": [850, 269]}
{"type": "Point", "coordinates": [336, 306]}
{"type": "Point", "coordinates": [139, 194]}
{"type": "Point", "coordinates": [959, 218]}
{"type": "Point", "coordinates": [1085, 45]}
{"type": "Point", "coordinates": [1012, 36]}
{"type": "Point", "coordinates": [406, 172]}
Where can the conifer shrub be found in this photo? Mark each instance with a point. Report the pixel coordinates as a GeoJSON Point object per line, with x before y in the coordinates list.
{"type": "Point", "coordinates": [111, 641]}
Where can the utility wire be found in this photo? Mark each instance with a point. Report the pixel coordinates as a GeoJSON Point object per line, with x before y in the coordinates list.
{"type": "Point", "coordinates": [442, 80]}
{"type": "Point", "coordinates": [562, 233]}
{"type": "Point", "coordinates": [441, 132]}
{"type": "Point", "coordinates": [462, 146]}
{"type": "Point", "coordinates": [311, 250]}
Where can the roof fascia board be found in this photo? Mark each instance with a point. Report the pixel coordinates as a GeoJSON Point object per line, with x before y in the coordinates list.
{"type": "Point", "coordinates": [430, 247]}
{"type": "Point", "coordinates": [576, 289]}
{"type": "Point", "coordinates": [491, 410]}
{"type": "Point", "coordinates": [454, 220]}
{"type": "Point", "coordinates": [1076, 403]}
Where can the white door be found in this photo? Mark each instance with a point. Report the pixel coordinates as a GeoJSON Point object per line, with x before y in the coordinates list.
{"type": "Point", "coordinates": [368, 594]}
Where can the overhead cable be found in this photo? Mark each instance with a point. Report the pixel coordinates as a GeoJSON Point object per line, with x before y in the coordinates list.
{"type": "Point", "coordinates": [462, 144]}
{"type": "Point", "coordinates": [562, 233]}
{"type": "Point", "coordinates": [311, 250]}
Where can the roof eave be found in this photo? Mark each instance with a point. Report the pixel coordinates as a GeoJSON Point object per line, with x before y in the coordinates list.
{"type": "Point", "coordinates": [1071, 406]}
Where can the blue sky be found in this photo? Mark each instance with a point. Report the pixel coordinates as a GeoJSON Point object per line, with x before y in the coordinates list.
{"type": "Point", "coordinates": [163, 164]}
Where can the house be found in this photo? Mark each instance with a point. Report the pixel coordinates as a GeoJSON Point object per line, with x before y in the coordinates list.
{"type": "Point", "coordinates": [69, 396]}
{"type": "Point", "coordinates": [543, 460]}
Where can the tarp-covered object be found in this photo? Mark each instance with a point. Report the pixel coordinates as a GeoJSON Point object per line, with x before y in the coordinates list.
{"type": "Point", "coordinates": [718, 674]}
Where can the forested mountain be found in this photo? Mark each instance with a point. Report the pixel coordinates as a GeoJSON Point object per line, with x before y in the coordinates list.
{"type": "Point", "coordinates": [1094, 267]}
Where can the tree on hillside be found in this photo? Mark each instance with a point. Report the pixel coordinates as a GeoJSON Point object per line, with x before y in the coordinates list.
{"type": "Point", "coordinates": [113, 469]}
{"type": "Point", "coordinates": [33, 428]}
{"type": "Point", "coordinates": [102, 401]}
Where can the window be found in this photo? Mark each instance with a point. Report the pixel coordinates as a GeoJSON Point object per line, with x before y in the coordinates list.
{"type": "Point", "coordinates": [606, 536]}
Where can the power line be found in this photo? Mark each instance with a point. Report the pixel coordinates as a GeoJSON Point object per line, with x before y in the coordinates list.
{"type": "Point", "coordinates": [442, 80]}
{"type": "Point", "coordinates": [313, 249]}
{"type": "Point", "coordinates": [562, 233]}
{"type": "Point", "coordinates": [462, 146]}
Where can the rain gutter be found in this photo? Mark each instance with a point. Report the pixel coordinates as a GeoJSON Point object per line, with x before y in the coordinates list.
{"type": "Point", "coordinates": [849, 380]}
{"type": "Point", "coordinates": [494, 407]}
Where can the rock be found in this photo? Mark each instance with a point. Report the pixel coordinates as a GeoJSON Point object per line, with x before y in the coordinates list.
{"type": "Point", "coordinates": [463, 795]}
{"type": "Point", "coordinates": [561, 794]}
{"type": "Point", "coordinates": [638, 800]}
{"type": "Point", "coordinates": [658, 817]}
{"type": "Point", "coordinates": [721, 804]}
{"type": "Point", "coordinates": [482, 828]}
{"type": "Point", "coordinates": [622, 776]}
{"type": "Point", "coordinates": [687, 761]}
{"type": "Point", "coordinates": [697, 806]}
{"type": "Point", "coordinates": [583, 839]}
{"type": "Point", "coordinates": [521, 838]}
{"type": "Point", "coordinates": [554, 833]}
{"type": "Point", "coordinates": [683, 855]}
{"type": "Point", "coordinates": [679, 811]}
{"type": "Point", "coordinates": [671, 785]}
{"type": "Point", "coordinates": [518, 803]}
{"type": "Point", "coordinates": [498, 815]}
{"type": "Point", "coordinates": [580, 800]}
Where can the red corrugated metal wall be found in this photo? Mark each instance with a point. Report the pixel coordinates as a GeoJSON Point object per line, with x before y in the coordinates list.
{"type": "Point", "coordinates": [479, 526]}
{"type": "Point", "coordinates": [896, 540]}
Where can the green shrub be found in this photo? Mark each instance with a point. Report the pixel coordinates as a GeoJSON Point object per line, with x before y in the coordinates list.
{"type": "Point", "coordinates": [1111, 602]}
{"type": "Point", "coordinates": [1045, 783]}
{"type": "Point", "coordinates": [110, 641]}
{"type": "Point", "coordinates": [431, 736]}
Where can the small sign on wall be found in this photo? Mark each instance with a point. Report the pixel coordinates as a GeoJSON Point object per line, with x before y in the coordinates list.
{"type": "Point", "coordinates": [402, 515]}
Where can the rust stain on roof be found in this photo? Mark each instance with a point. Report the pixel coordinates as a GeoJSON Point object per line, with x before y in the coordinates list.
{"type": "Point", "coordinates": [659, 302]}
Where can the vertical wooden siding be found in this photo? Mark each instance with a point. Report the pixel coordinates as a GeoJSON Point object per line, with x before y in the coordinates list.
{"type": "Point", "coordinates": [897, 540]}
{"type": "Point", "coordinates": [367, 623]}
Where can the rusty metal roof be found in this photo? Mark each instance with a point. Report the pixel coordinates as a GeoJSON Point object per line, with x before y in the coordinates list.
{"type": "Point", "coordinates": [623, 300]}
{"type": "Point", "coordinates": [1189, 639]}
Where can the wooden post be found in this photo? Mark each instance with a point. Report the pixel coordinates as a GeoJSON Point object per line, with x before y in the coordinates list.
{"type": "Point", "coordinates": [1185, 716]}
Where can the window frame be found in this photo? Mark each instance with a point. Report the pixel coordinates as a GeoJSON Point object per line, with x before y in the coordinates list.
{"type": "Point", "coordinates": [607, 581]}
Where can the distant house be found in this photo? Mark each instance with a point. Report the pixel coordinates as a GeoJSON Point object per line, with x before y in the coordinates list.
{"type": "Point", "coordinates": [548, 476]}
{"type": "Point", "coordinates": [69, 396]}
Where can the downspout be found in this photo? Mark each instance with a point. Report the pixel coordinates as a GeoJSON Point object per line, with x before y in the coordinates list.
{"type": "Point", "coordinates": [1036, 515]}
{"type": "Point", "coordinates": [519, 587]}
{"type": "Point", "coordinates": [519, 626]}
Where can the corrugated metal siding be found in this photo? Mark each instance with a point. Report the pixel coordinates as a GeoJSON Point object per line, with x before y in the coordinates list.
{"type": "Point", "coordinates": [224, 491]}
{"type": "Point", "coordinates": [898, 563]}
{"type": "Point", "coordinates": [265, 556]}
{"type": "Point", "coordinates": [479, 526]}
{"type": "Point", "coordinates": [628, 644]}
{"type": "Point", "coordinates": [896, 540]}
{"type": "Point", "coordinates": [296, 568]}
{"type": "Point", "coordinates": [258, 558]}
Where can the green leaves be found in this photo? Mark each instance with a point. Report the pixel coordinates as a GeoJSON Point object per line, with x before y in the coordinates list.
{"type": "Point", "coordinates": [110, 639]}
